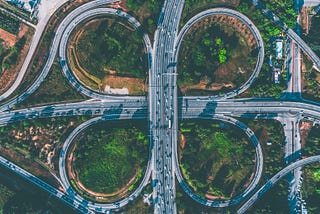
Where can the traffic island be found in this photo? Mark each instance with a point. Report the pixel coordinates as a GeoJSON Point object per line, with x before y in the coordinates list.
{"type": "Point", "coordinates": [106, 161]}
{"type": "Point", "coordinates": [108, 55]}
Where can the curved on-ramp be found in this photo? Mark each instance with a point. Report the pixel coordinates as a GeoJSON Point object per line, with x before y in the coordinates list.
{"type": "Point", "coordinates": [73, 79]}
{"type": "Point", "coordinates": [243, 19]}
{"type": "Point", "coordinates": [53, 51]}
{"type": "Point", "coordinates": [275, 179]}
{"type": "Point", "coordinates": [100, 207]}
{"type": "Point", "coordinates": [258, 172]}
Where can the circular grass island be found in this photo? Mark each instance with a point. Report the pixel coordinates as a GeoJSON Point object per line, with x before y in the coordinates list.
{"type": "Point", "coordinates": [218, 54]}
{"type": "Point", "coordinates": [216, 158]}
{"type": "Point", "coordinates": [108, 54]}
{"type": "Point", "coordinates": [109, 159]}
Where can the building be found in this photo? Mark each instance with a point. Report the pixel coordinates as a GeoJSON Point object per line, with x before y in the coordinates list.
{"type": "Point", "coordinates": [276, 76]}
{"type": "Point", "coordinates": [27, 5]}
{"type": "Point", "coordinates": [279, 47]}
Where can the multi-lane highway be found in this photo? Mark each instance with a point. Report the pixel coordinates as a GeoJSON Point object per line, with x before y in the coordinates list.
{"type": "Point", "coordinates": [161, 109]}
{"type": "Point", "coordinates": [196, 108]}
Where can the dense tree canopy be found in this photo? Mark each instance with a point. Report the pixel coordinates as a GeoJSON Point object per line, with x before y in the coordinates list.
{"type": "Point", "coordinates": [108, 156]}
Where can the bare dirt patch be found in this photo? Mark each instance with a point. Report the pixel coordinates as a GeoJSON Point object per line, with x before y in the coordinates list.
{"type": "Point", "coordinates": [111, 83]}
{"type": "Point", "coordinates": [9, 75]}
{"type": "Point", "coordinates": [9, 39]}
{"type": "Point", "coordinates": [305, 127]}
{"type": "Point", "coordinates": [134, 85]}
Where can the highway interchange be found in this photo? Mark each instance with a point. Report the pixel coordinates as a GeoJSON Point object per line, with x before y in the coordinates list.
{"type": "Point", "coordinates": [162, 110]}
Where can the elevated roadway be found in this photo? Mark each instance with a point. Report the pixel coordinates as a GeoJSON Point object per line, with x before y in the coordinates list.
{"type": "Point", "coordinates": [271, 182]}
{"type": "Point", "coordinates": [195, 108]}
{"type": "Point", "coordinates": [51, 57]}
{"type": "Point", "coordinates": [64, 62]}
{"type": "Point", "coordinates": [292, 151]}
{"type": "Point", "coordinates": [255, 180]}
{"type": "Point", "coordinates": [191, 107]}
{"type": "Point", "coordinates": [291, 34]}
{"type": "Point", "coordinates": [243, 19]}
{"type": "Point", "coordinates": [162, 110]}
{"type": "Point", "coordinates": [163, 102]}
{"type": "Point", "coordinates": [99, 207]}
{"type": "Point", "coordinates": [43, 185]}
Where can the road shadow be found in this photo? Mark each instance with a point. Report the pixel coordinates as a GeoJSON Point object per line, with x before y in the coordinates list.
{"type": "Point", "coordinates": [209, 110]}
{"type": "Point", "coordinates": [113, 112]}
{"type": "Point", "coordinates": [293, 157]}
{"type": "Point", "coordinates": [140, 113]}
{"type": "Point", "coordinates": [295, 96]}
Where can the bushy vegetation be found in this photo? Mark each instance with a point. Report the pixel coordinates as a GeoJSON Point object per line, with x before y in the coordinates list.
{"type": "Point", "coordinates": [110, 46]}
{"type": "Point", "coordinates": [137, 4]}
{"type": "Point", "coordinates": [191, 7]}
{"type": "Point", "coordinates": [311, 181]}
{"type": "Point", "coordinates": [201, 56]}
{"type": "Point", "coordinates": [19, 196]}
{"type": "Point", "coordinates": [48, 131]}
{"type": "Point", "coordinates": [217, 158]}
{"type": "Point", "coordinates": [185, 204]}
{"type": "Point", "coordinates": [311, 187]}
{"type": "Point", "coordinates": [108, 156]}
{"type": "Point", "coordinates": [284, 9]}
{"type": "Point", "coordinates": [275, 200]}
{"type": "Point", "coordinates": [147, 12]}
{"type": "Point", "coordinates": [13, 54]}
{"type": "Point", "coordinates": [263, 86]}
{"type": "Point", "coordinates": [54, 89]}
{"type": "Point", "coordinates": [313, 38]}
{"type": "Point", "coordinates": [212, 53]}
{"type": "Point", "coordinates": [9, 23]}
{"type": "Point", "coordinates": [270, 131]}
{"type": "Point", "coordinates": [311, 78]}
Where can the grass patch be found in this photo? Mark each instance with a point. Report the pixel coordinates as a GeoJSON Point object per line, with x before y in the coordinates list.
{"type": "Point", "coordinates": [108, 155]}
{"type": "Point", "coordinates": [54, 89]}
{"type": "Point", "coordinates": [109, 52]}
{"type": "Point", "coordinates": [111, 46]}
{"type": "Point", "coordinates": [215, 57]}
{"type": "Point", "coordinates": [9, 23]}
{"type": "Point", "coordinates": [146, 12]}
{"type": "Point", "coordinates": [224, 157]}
{"type": "Point", "coordinates": [275, 200]}
{"type": "Point", "coordinates": [263, 86]}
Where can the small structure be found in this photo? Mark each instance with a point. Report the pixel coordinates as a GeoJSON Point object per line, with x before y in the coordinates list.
{"type": "Point", "coordinates": [27, 5]}
{"type": "Point", "coordinates": [147, 199]}
{"type": "Point", "coordinates": [276, 76]}
{"type": "Point", "coordinates": [279, 47]}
